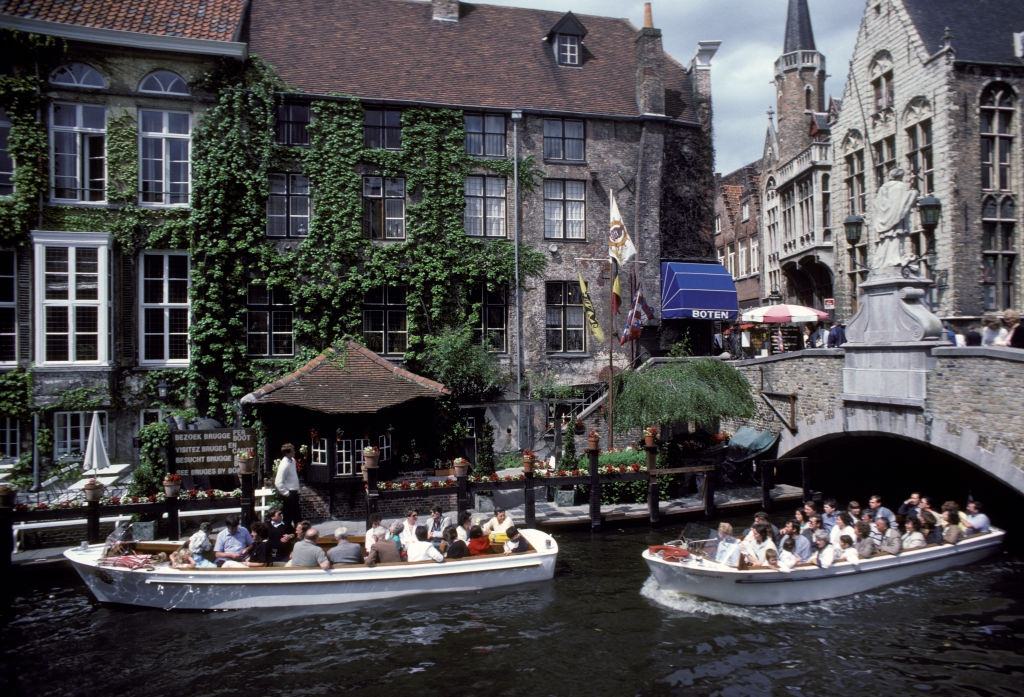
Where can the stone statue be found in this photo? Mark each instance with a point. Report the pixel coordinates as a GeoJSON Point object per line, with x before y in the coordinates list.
{"type": "Point", "coordinates": [892, 204]}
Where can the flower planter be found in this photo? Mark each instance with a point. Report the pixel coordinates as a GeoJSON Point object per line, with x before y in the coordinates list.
{"type": "Point", "coordinates": [593, 441]}
{"type": "Point", "coordinates": [461, 466]}
{"type": "Point", "coordinates": [246, 465]}
{"type": "Point", "coordinates": [171, 489]}
{"type": "Point", "coordinates": [528, 464]}
{"type": "Point", "coordinates": [93, 491]}
{"type": "Point", "coordinates": [370, 460]}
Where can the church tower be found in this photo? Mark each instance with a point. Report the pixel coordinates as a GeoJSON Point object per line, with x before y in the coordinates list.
{"type": "Point", "coordinates": [799, 82]}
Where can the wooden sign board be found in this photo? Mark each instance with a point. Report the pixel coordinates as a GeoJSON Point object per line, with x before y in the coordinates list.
{"type": "Point", "coordinates": [209, 453]}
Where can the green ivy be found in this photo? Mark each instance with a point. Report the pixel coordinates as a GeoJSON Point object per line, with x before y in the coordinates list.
{"type": "Point", "coordinates": [148, 476]}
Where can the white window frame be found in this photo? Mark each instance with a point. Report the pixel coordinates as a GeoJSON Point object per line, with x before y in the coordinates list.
{"type": "Point", "coordinates": [165, 137]}
{"type": "Point", "coordinates": [567, 49]}
{"type": "Point", "coordinates": [78, 72]}
{"type": "Point", "coordinates": [63, 444]}
{"type": "Point", "coordinates": [163, 88]}
{"type": "Point", "coordinates": [274, 309]}
{"type": "Point", "coordinates": [73, 241]}
{"type": "Point", "coordinates": [82, 154]}
{"type": "Point", "coordinates": [294, 201]}
{"type": "Point", "coordinates": [318, 452]}
{"type": "Point", "coordinates": [164, 305]}
{"type": "Point", "coordinates": [10, 435]}
{"type": "Point", "coordinates": [745, 212]}
{"type": "Point", "coordinates": [742, 256]}
{"type": "Point", "coordinates": [492, 202]}
{"type": "Point", "coordinates": [12, 304]}
{"type": "Point", "coordinates": [755, 258]}
{"type": "Point", "coordinates": [5, 148]}
{"type": "Point", "coordinates": [144, 413]}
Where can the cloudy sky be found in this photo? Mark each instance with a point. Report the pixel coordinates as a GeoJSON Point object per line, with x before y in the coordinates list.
{"type": "Point", "coordinates": [751, 32]}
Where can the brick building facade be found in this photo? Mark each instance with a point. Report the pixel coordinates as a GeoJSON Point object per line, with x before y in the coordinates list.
{"type": "Point", "coordinates": [737, 234]}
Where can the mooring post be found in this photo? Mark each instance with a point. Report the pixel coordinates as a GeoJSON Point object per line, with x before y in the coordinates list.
{"type": "Point", "coordinates": [529, 500]}
{"type": "Point", "coordinates": [461, 494]}
{"type": "Point", "coordinates": [595, 488]}
{"type": "Point", "coordinates": [653, 504]}
{"type": "Point", "coordinates": [372, 493]}
{"type": "Point", "coordinates": [6, 534]}
{"type": "Point", "coordinates": [248, 501]}
{"type": "Point", "coordinates": [766, 487]}
{"type": "Point", "coordinates": [92, 526]}
{"type": "Point", "coordinates": [173, 521]}
{"type": "Point", "coordinates": [709, 494]}
{"type": "Point", "coordinates": [804, 484]}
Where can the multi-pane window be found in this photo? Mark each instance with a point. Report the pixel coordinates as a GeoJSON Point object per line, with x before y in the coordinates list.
{"type": "Point", "coordinates": [884, 90]}
{"type": "Point", "coordinates": [718, 224]}
{"type": "Point", "coordinates": [997, 106]}
{"type": "Point", "coordinates": [491, 329]}
{"type": "Point", "coordinates": [565, 209]}
{"type": "Point", "coordinates": [382, 128]}
{"type": "Point", "coordinates": [485, 134]}
{"type": "Point", "coordinates": [567, 49]}
{"type": "Point", "coordinates": [291, 124]}
{"type": "Point", "coordinates": [564, 139]}
{"type": "Point", "coordinates": [485, 206]}
{"type": "Point", "coordinates": [318, 452]}
{"type": "Point", "coordinates": [885, 159]}
{"type": "Point", "coordinates": [998, 251]}
{"type": "Point", "coordinates": [269, 322]}
{"type": "Point", "coordinates": [826, 203]}
{"type": "Point", "coordinates": [755, 259]}
{"type": "Point", "coordinates": [288, 205]}
{"type": "Point", "coordinates": [788, 198]}
{"type": "Point", "coordinates": [385, 327]}
{"type": "Point", "coordinates": [78, 138]}
{"type": "Point", "coordinates": [164, 149]}
{"type": "Point", "coordinates": [77, 75]}
{"type": "Point", "coordinates": [564, 323]}
{"type": "Point", "coordinates": [919, 156]}
{"type": "Point", "coordinates": [10, 437]}
{"type": "Point", "coordinates": [730, 263]}
{"type": "Point", "coordinates": [8, 313]}
{"type": "Point", "coordinates": [164, 82]}
{"type": "Point", "coordinates": [6, 161]}
{"type": "Point", "coordinates": [164, 307]}
{"type": "Point", "coordinates": [745, 212]}
{"type": "Point", "coordinates": [805, 203]}
{"type": "Point", "coordinates": [384, 208]}
{"type": "Point", "coordinates": [855, 194]}
{"type": "Point", "coordinates": [71, 303]}
{"type": "Point", "coordinates": [71, 432]}
{"type": "Point", "coordinates": [741, 255]}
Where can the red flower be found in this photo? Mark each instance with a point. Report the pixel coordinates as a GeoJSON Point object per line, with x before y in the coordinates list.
{"type": "Point", "coordinates": [115, 500]}
{"type": "Point", "coordinates": [495, 477]}
{"type": "Point", "coordinates": [635, 468]}
{"type": "Point", "coordinates": [405, 485]}
{"type": "Point", "coordinates": [21, 507]}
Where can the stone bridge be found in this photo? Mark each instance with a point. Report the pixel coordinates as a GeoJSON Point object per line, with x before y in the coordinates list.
{"type": "Point", "coordinates": [965, 402]}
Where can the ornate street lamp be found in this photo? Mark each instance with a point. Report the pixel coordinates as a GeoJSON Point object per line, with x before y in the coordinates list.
{"type": "Point", "coordinates": [775, 297]}
{"type": "Point", "coordinates": [930, 208]}
{"type": "Point", "coordinates": [854, 226]}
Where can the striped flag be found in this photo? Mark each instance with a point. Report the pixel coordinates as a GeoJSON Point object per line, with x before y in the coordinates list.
{"type": "Point", "coordinates": [588, 310]}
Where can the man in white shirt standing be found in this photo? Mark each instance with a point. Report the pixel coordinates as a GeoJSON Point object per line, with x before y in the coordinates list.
{"type": "Point", "coordinates": [286, 481]}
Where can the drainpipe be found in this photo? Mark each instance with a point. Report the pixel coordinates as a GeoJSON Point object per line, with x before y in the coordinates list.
{"type": "Point", "coordinates": [517, 116]}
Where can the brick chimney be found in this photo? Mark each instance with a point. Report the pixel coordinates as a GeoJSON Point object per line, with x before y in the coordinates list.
{"type": "Point", "coordinates": [650, 83]}
{"type": "Point", "coordinates": [700, 76]}
{"type": "Point", "coordinates": [446, 10]}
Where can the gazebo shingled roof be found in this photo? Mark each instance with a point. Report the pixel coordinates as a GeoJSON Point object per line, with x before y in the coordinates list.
{"type": "Point", "coordinates": [356, 382]}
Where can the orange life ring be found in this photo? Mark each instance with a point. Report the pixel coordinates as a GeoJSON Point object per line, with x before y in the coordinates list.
{"type": "Point", "coordinates": [669, 552]}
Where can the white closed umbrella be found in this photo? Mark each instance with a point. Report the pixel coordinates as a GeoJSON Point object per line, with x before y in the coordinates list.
{"type": "Point", "coordinates": [95, 449]}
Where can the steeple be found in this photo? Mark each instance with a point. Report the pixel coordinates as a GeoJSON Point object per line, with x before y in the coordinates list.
{"type": "Point", "coordinates": [799, 35]}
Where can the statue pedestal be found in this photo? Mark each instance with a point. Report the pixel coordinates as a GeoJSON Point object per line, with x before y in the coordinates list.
{"type": "Point", "coordinates": [889, 341]}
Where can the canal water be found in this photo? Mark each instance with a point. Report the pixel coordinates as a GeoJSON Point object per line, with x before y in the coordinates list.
{"type": "Point", "coordinates": [600, 628]}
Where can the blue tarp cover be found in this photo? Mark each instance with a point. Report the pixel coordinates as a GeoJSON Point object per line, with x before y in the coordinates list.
{"type": "Point", "coordinates": [697, 291]}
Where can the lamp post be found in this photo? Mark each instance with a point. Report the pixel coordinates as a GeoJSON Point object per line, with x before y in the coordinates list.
{"type": "Point", "coordinates": [775, 297]}
{"type": "Point", "coordinates": [854, 227]}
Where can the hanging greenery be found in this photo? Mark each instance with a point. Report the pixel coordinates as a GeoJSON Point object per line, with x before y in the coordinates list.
{"type": "Point", "coordinates": [701, 390]}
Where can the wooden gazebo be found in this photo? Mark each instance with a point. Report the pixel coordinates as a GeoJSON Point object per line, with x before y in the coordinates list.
{"type": "Point", "coordinates": [343, 400]}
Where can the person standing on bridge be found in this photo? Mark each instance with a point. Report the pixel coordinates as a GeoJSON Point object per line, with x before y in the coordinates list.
{"type": "Point", "coordinates": [286, 481]}
{"type": "Point", "coordinates": [837, 334]}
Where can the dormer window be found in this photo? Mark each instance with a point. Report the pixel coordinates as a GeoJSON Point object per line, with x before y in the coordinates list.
{"type": "Point", "coordinates": [567, 48]}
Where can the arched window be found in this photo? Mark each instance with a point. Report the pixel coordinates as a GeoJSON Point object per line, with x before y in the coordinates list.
{"type": "Point", "coordinates": [164, 82]}
{"type": "Point", "coordinates": [997, 107]}
{"type": "Point", "coordinates": [881, 81]}
{"type": "Point", "coordinates": [808, 98]}
{"type": "Point", "coordinates": [77, 75]}
{"type": "Point", "coordinates": [998, 255]}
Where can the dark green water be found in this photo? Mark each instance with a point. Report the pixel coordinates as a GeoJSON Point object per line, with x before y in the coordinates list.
{"type": "Point", "coordinates": [600, 628]}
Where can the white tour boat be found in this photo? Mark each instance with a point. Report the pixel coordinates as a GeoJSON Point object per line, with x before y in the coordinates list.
{"type": "Point", "coordinates": [676, 568]}
{"type": "Point", "coordinates": [161, 586]}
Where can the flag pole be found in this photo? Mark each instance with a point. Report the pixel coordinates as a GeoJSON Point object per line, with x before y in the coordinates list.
{"type": "Point", "coordinates": [611, 363]}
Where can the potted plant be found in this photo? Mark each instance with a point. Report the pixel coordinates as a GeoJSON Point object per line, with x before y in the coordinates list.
{"type": "Point", "coordinates": [593, 440]}
{"type": "Point", "coordinates": [245, 459]}
{"type": "Point", "coordinates": [529, 457]}
{"type": "Point", "coordinates": [93, 490]}
{"type": "Point", "coordinates": [650, 433]}
{"type": "Point", "coordinates": [580, 428]}
{"type": "Point", "coordinates": [461, 466]}
{"type": "Point", "coordinates": [172, 484]}
{"type": "Point", "coordinates": [371, 456]}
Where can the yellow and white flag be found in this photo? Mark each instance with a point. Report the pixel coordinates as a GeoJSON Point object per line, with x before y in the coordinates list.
{"type": "Point", "coordinates": [620, 246]}
{"type": "Point", "coordinates": [588, 311]}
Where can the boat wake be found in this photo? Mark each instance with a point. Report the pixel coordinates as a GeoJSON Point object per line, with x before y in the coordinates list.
{"type": "Point", "coordinates": [700, 607]}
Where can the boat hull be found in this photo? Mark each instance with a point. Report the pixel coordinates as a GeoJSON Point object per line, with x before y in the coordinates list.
{"type": "Point", "coordinates": [236, 589]}
{"type": "Point", "coordinates": [809, 583]}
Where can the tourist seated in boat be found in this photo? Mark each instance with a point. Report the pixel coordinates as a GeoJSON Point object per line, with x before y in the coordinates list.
{"type": "Point", "coordinates": [728, 550]}
{"type": "Point", "coordinates": [479, 543]}
{"type": "Point", "coordinates": [761, 518]}
{"type": "Point", "coordinates": [453, 547]}
{"type": "Point", "coordinates": [931, 528]}
{"type": "Point", "coordinates": [199, 544]}
{"type": "Point", "coordinates": [465, 523]}
{"type": "Point", "coordinates": [864, 545]}
{"type": "Point", "coordinates": [843, 526]}
{"type": "Point", "coordinates": [810, 508]}
{"type": "Point", "coordinates": [280, 535]}
{"type": "Point", "coordinates": [813, 525]}
{"type": "Point", "coordinates": [233, 542]}
{"type": "Point", "coordinates": [912, 538]}
{"type": "Point", "coordinates": [828, 515]}
{"type": "Point", "coordinates": [803, 521]}
{"type": "Point", "coordinates": [497, 527]}
{"type": "Point", "coordinates": [847, 552]}
{"type": "Point", "coordinates": [876, 509]}
{"type": "Point", "coordinates": [801, 544]}
{"type": "Point", "coordinates": [886, 538]}
{"type": "Point", "coordinates": [788, 557]}
{"type": "Point", "coordinates": [975, 521]}
{"type": "Point", "coordinates": [951, 532]}
{"type": "Point", "coordinates": [422, 549]}
{"type": "Point", "coordinates": [437, 523]}
{"type": "Point", "coordinates": [516, 542]}
{"type": "Point", "coordinates": [259, 554]}
{"type": "Point", "coordinates": [345, 551]}
{"type": "Point", "coordinates": [300, 529]}
{"type": "Point", "coordinates": [395, 536]}
{"type": "Point", "coordinates": [753, 551]}
{"type": "Point", "coordinates": [910, 507]}
{"type": "Point", "coordinates": [181, 558]}
{"type": "Point", "coordinates": [383, 550]}
{"type": "Point", "coordinates": [409, 525]}
{"type": "Point", "coordinates": [308, 554]}
{"type": "Point", "coordinates": [372, 529]}
{"type": "Point", "coordinates": [856, 513]}
{"type": "Point", "coordinates": [824, 553]}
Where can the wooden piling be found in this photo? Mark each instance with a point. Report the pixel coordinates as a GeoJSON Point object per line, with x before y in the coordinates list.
{"type": "Point", "coordinates": [529, 502]}
{"type": "Point", "coordinates": [92, 525]}
{"type": "Point", "coordinates": [709, 494]}
{"type": "Point", "coordinates": [462, 494]}
{"type": "Point", "coordinates": [595, 489]}
{"type": "Point", "coordinates": [6, 538]}
{"type": "Point", "coordinates": [248, 501]}
{"type": "Point", "coordinates": [805, 483]}
{"type": "Point", "coordinates": [653, 504]}
{"type": "Point", "coordinates": [372, 493]}
{"type": "Point", "coordinates": [766, 486]}
{"type": "Point", "coordinates": [173, 521]}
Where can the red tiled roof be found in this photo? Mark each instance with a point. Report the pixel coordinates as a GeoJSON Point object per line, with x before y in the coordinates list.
{"type": "Point", "coordinates": [357, 381]}
{"type": "Point", "coordinates": [216, 20]}
{"type": "Point", "coordinates": [493, 57]}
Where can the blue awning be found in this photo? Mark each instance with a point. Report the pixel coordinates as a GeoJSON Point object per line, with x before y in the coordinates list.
{"type": "Point", "coordinates": [697, 291]}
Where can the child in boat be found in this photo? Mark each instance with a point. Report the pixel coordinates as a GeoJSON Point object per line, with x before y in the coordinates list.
{"type": "Point", "coordinates": [181, 558]}
{"type": "Point", "coordinates": [199, 544]}
{"type": "Point", "coordinates": [516, 542]}
{"type": "Point", "coordinates": [479, 543]}
{"type": "Point", "coordinates": [787, 557]}
{"type": "Point", "coordinates": [847, 552]}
